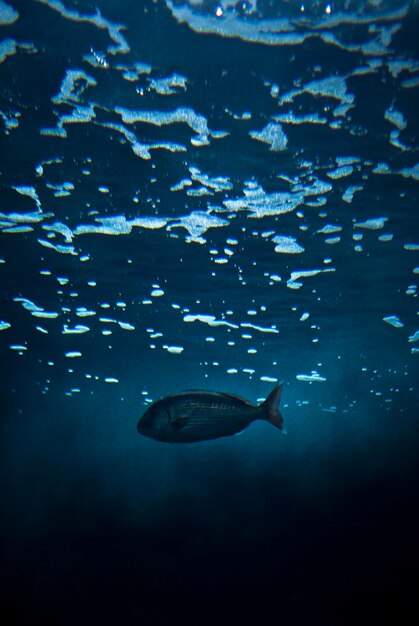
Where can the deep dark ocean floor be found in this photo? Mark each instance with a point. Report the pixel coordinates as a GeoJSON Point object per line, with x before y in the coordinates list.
{"type": "Point", "coordinates": [329, 540]}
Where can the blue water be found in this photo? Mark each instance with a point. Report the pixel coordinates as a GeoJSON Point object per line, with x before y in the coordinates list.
{"type": "Point", "coordinates": [222, 196]}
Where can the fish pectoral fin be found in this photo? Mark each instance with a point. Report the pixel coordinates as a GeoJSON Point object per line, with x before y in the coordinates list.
{"type": "Point", "coordinates": [179, 422]}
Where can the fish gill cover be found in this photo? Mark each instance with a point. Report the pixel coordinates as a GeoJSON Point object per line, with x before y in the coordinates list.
{"type": "Point", "coordinates": [213, 195]}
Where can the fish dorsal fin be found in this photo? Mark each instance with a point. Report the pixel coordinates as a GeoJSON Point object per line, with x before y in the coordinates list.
{"type": "Point", "coordinates": [219, 394]}
{"type": "Point", "coordinates": [238, 398]}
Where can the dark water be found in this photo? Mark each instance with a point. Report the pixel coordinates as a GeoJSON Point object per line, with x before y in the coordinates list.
{"type": "Point", "coordinates": [216, 196]}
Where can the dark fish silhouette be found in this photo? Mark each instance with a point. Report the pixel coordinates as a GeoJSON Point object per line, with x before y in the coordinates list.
{"type": "Point", "coordinates": [200, 415]}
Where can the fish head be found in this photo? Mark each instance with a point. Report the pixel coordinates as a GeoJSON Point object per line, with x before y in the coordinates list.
{"type": "Point", "coordinates": [155, 421]}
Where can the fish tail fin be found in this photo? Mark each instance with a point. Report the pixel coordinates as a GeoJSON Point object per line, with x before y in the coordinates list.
{"type": "Point", "coordinates": [270, 407]}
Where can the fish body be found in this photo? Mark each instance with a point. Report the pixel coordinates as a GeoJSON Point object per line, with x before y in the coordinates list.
{"type": "Point", "coordinates": [200, 415]}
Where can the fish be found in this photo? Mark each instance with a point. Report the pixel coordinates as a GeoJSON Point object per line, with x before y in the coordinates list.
{"type": "Point", "coordinates": [201, 415]}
